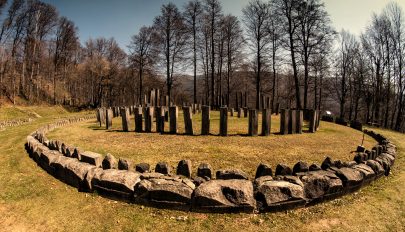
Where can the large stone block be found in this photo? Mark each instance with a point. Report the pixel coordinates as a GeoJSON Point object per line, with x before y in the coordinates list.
{"type": "Point", "coordinates": [253, 123]}
{"type": "Point", "coordinates": [318, 184]}
{"type": "Point", "coordinates": [125, 118]}
{"type": "Point", "coordinates": [205, 120]}
{"type": "Point", "coordinates": [169, 190]}
{"type": "Point", "coordinates": [231, 174]}
{"type": "Point", "coordinates": [92, 158]}
{"type": "Point", "coordinates": [224, 196]}
{"type": "Point", "coordinates": [116, 183]}
{"type": "Point", "coordinates": [277, 195]}
{"type": "Point", "coordinates": [184, 168]}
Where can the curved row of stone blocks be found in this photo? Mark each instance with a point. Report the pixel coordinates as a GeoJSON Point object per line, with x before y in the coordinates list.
{"type": "Point", "coordinates": [231, 191]}
{"type": "Point", "coordinates": [15, 122]}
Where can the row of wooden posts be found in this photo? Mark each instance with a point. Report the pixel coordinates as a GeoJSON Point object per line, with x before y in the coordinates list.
{"type": "Point", "coordinates": [291, 121]}
{"type": "Point", "coordinates": [154, 98]}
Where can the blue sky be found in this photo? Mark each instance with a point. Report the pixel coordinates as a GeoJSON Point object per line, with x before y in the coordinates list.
{"type": "Point", "coordinates": [122, 18]}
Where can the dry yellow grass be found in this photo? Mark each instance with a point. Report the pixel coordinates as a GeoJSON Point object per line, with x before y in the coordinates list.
{"type": "Point", "coordinates": [32, 200]}
{"type": "Point", "coordinates": [234, 151]}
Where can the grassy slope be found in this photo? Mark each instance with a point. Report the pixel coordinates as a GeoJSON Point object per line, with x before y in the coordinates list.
{"type": "Point", "coordinates": [31, 200]}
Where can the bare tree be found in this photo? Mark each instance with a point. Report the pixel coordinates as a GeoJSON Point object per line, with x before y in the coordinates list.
{"type": "Point", "coordinates": [256, 17]}
{"type": "Point", "coordinates": [348, 47]}
{"type": "Point", "coordinates": [172, 40]}
{"type": "Point", "coordinates": [213, 9]}
{"type": "Point", "coordinates": [192, 13]}
{"type": "Point", "coordinates": [141, 54]}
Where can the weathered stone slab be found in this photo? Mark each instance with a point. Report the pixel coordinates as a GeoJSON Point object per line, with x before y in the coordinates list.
{"type": "Point", "coordinates": [205, 120]}
{"type": "Point", "coordinates": [124, 164]}
{"type": "Point", "coordinates": [292, 122]}
{"type": "Point", "coordinates": [46, 157]}
{"type": "Point", "coordinates": [184, 168]}
{"type": "Point", "coordinates": [125, 118]}
{"type": "Point", "coordinates": [266, 122]}
{"type": "Point", "coordinates": [142, 167]}
{"type": "Point", "coordinates": [148, 119]}
{"type": "Point", "coordinates": [276, 193]}
{"type": "Point", "coordinates": [75, 174]}
{"type": "Point", "coordinates": [109, 116]}
{"type": "Point", "coordinates": [284, 121]}
{"type": "Point", "coordinates": [173, 114]}
{"type": "Point", "coordinates": [162, 167]}
{"type": "Point", "coordinates": [204, 170]}
{"type": "Point", "coordinates": [223, 121]}
{"type": "Point", "coordinates": [92, 158]}
{"type": "Point", "coordinates": [170, 191]}
{"type": "Point", "coordinates": [224, 196]}
{"type": "Point", "coordinates": [116, 183]}
{"type": "Point", "coordinates": [377, 167]}
{"type": "Point", "coordinates": [350, 177]}
{"type": "Point", "coordinates": [317, 184]}
{"type": "Point", "coordinates": [366, 171]}
{"type": "Point", "coordinates": [283, 169]}
{"type": "Point", "coordinates": [109, 162]}
{"type": "Point", "coordinates": [300, 167]}
{"type": "Point", "coordinates": [263, 170]}
{"type": "Point", "coordinates": [138, 119]}
{"type": "Point", "coordinates": [188, 120]}
{"type": "Point", "coordinates": [231, 174]}
{"type": "Point", "coordinates": [253, 125]}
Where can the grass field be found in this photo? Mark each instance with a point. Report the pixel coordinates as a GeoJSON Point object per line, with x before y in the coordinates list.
{"type": "Point", "coordinates": [32, 200]}
{"type": "Point", "coordinates": [235, 151]}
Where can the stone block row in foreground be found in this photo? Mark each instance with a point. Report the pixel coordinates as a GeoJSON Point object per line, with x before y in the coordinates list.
{"type": "Point", "coordinates": [229, 191]}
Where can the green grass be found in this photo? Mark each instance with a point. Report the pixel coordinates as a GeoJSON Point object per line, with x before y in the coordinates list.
{"type": "Point", "coordinates": [32, 200]}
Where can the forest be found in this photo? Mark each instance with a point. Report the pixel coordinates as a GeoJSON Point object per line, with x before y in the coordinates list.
{"type": "Point", "coordinates": [286, 50]}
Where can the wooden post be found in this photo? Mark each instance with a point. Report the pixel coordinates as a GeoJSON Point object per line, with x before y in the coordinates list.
{"type": "Point", "coordinates": [157, 97]}
{"type": "Point", "coordinates": [266, 122]}
{"type": "Point", "coordinates": [205, 120]}
{"type": "Point", "coordinates": [173, 114]}
{"type": "Point", "coordinates": [125, 118]}
{"type": "Point", "coordinates": [223, 121]}
{"type": "Point", "coordinates": [239, 112]}
{"type": "Point", "coordinates": [188, 120]}
{"type": "Point", "coordinates": [138, 119]}
{"type": "Point", "coordinates": [148, 119]}
{"type": "Point", "coordinates": [253, 123]}
{"type": "Point", "coordinates": [101, 112]}
{"type": "Point", "coordinates": [312, 121]}
{"type": "Point", "coordinates": [292, 122]}
{"type": "Point", "coordinates": [284, 121]}
{"type": "Point", "coordinates": [300, 120]}
{"type": "Point", "coordinates": [277, 108]}
{"type": "Point", "coordinates": [160, 119]}
{"type": "Point", "coordinates": [109, 117]}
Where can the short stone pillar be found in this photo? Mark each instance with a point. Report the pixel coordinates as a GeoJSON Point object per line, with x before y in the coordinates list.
{"type": "Point", "coordinates": [223, 121]}
{"type": "Point", "coordinates": [284, 121]}
{"type": "Point", "coordinates": [300, 121]}
{"type": "Point", "coordinates": [245, 112]}
{"type": "Point", "coordinates": [312, 121]}
{"type": "Point", "coordinates": [239, 112]}
{"type": "Point", "coordinates": [109, 116]}
{"type": "Point", "coordinates": [318, 119]}
{"type": "Point", "coordinates": [166, 109]}
{"type": "Point", "coordinates": [148, 119]}
{"type": "Point", "coordinates": [173, 115]}
{"type": "Point", "coordinates": [292, 122]}
{"type": "Point", "coordinates": [205, 120]}
{"type": "Point", "coordinates": [253, 123]}
{"type": "Point", "coordinates": [231, 111]}
{"type": "Point", "coordinates": [266, 122]}
{"type": "Point", "coordinates": [138, 119]}
{"type": "Point", "coordinates": [277, 110]}
{"type": "Point", "coordinates": [125, 118]}
{"type": "Point", "coordinates": [188, 120]}
{"type": "Point", "coordinates": [101, 113]}
{"type": "Point", "coordinates": [160, 119]}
